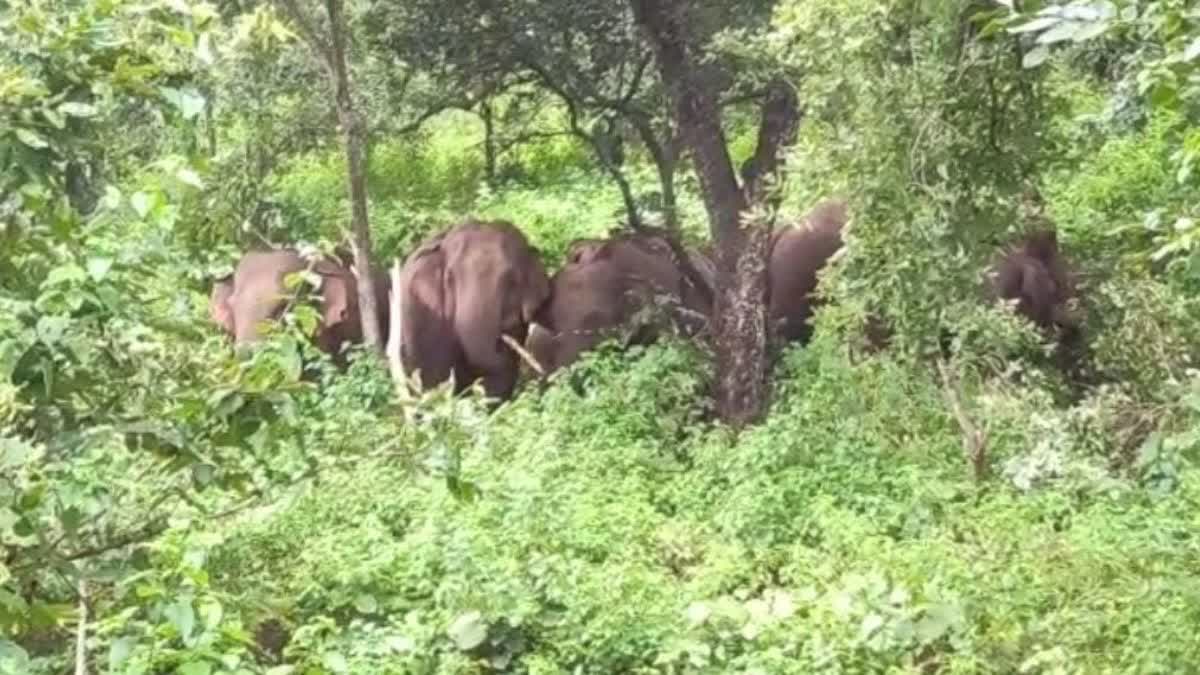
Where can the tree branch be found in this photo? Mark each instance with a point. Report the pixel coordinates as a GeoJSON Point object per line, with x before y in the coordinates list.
{"type": "Point", "coordinates": [975, 440]}
{"type": "Point", "coordinates": [614, 171]}
{"type": "Point", "coordinates": [308, 31]}
{"type": "Point", "coordinates": [81, 631]}
{"type": "Point", "coordinates": [780, 120]}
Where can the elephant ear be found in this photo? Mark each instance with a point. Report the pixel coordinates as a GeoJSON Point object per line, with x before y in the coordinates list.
{"type": "Point", "coordinates": [218, 304]}
{"type": "Point", "coordinates": [588, 250]}
{"type": "Point", "coordinates": [535, 290]}
{"type": "Point", "coordinates": [336, 292]}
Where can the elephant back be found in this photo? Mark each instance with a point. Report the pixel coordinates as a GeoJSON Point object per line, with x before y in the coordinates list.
{"type": "Point", "coordinates": [797, 255]}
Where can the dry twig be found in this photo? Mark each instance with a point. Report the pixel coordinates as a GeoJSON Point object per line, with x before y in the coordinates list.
{"type": "Point", "coordinates": [974, 438]}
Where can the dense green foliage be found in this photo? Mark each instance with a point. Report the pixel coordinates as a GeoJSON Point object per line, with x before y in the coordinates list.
{"type": "Point", "coordinates": [270, 514]}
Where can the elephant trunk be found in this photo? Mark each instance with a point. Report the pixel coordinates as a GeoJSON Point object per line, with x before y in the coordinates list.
{"type": "Point", "coordinates": [478, 319]}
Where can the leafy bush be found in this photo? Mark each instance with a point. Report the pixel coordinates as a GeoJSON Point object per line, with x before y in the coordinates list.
{"type": "Point", "coordinates": [612, 531]}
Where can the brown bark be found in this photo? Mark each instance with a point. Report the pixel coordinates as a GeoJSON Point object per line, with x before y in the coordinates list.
{"type": "Point", "coordinates": [739, 312]}
{"type": "Point", "coordinates": [489, 142]}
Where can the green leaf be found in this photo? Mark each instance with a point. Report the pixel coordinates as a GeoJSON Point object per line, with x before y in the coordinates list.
{"type": "Point", "coordinates": [336, 662]}
{"type": "Point", "coordinates": [211, 613]}
{"type": "Point", "coordinates": [98, 268]}
{"type": "Point", "coordinates": [66, 273]}
{"type": "Point", "coordinates": [203, 474]}
{"type": "Point", "coordinates": [140, 203]}
{"type": "Point", "coordinates": [54, 118]}
{"type": "Point", "coordinates": [938, 620]}
{"type": "Point", "coordinates": [1091, 30]}
{"type": "Point", "coordinates": [1192, 50]}
{"type": "Point", "coordinates": [77, 109]}
{"type": "Point", "coordinates": [1035, 57]}
{"type": "Point", "coordinates": [32, 139]}
{"type": "Point", "coordinates": [189, 177]}
{"type": "Point", "coordinates": [13, 657]}
{"type": "Point", "coordinates": [71, 518]}
{"type": "Point", "coordinates": [118, 652]}
{"type": "Point", "coordinates": [51, 328]}
{"type": "Point", "coordinates": [188, 101]}
{"type": "Point", "coordinates": [182, 617]}
{"type": "Point", "coordinates": [1060, 33]}
{"type": "Point", "coordinates": [15, 452]}
{"type": "Point", "coordinates": [400, 644]}
{"type": "Point", "coordinates": [1163, 94]}
{"type": "Point", "coordinates": [366, 604]}
{"type": "Point", "coordinates": [195, 668]}
{"type": "Point", "coordinates": [204, 49]}
{"type": "Point", "coordinates": [870, 624]}
{"type": "Point", "coordinates": [468, 631]}
{"type": "Point", "coordinates": [1040, 23]}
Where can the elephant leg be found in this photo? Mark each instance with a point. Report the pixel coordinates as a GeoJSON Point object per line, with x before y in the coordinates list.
{"type": "Point", "coordinates": [434, 352]}
{"type": "Point", "coordinates": [500, 385]}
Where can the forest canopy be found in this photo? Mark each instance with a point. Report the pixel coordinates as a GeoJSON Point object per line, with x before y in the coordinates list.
{"type": "Point", "coordinates": [652, 336]}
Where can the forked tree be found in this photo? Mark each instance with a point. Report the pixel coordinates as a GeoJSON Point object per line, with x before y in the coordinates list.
{"type": "Point", "coordinates": [740, 214]}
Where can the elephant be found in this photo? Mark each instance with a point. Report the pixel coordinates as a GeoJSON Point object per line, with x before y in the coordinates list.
{"type": "Point", "coordinates": [255, 293]}
{"type": "Point", "coordinates": [1036, 276]}
{"type": "Point", "coordinates": [797, 254]}
{"type": "Point", "coordinates": [461, 291]}
{"type": "Point", "coordinates": [602, 286]}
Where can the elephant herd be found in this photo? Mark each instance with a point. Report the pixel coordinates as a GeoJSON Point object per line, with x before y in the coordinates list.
{"type": "Point", "coordinates": [471, 292]}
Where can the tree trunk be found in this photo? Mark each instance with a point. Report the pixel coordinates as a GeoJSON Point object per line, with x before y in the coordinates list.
{"type": "Point", "coordinates": [489, 142]}
{"type": "Point", "coordinates": [739, 312]}
{"type": "Point", "coordinates": [356, 178]}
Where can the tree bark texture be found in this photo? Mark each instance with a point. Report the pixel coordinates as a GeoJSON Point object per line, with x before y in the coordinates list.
{"type": "Point", "coordinates": [739, 311]}
{"type": "Point", "coordinates": [353, 131]}
{"type": "Point", "coordinates": [740, 330]}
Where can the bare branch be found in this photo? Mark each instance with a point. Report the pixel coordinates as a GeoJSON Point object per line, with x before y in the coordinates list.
{"type": "Point", "coordinates": [614, 171]}
{"type": "Point", "coordinates": [81, 631]}
{"type": "Point", "coordinates": [975, 439]}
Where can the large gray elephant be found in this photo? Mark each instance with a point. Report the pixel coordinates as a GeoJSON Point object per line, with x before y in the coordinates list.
{"type": "Point", "coordinates": [255, 293]}
{"type": "Point", "coordinates": [462, 290]}
{"type": "Point", "coordinates": [798, 253]}
{"type": "Point", "coordinates": [602, 285]}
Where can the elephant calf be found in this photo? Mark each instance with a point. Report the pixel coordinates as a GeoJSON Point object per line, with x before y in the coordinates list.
{"type": "Point", "coordinates": [462, 290]}
{"type": "Point", "coordinates": [601, 286]}
{"type": "Point", "coordinates": [241, 302]}
{"type": "Point", "coordinates": [797, 255]}
{"type": "Point", "coordinates": [1035, 275]}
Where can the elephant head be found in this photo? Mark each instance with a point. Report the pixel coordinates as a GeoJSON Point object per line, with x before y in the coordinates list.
{"type": "Point", "coordinates": [797, 256]}
{"type": "Point", "coordinates": [257, 293]}
{"type": "Point", "coordinates": [1035, 275]}
{"type": "Point", "coordinates": [473, 284]}
{"type": "Point", "coordinates": [602, 285]}
{"type": "Point", "coordinates": [218, 304]}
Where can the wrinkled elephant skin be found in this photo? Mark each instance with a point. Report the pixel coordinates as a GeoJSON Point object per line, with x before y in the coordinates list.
{"type": "Point", "coordinates": [463, 290]}
{"type": "Point", "coordinates": [600, 288]}
{"type": "Point", "coordinates": [256, 293]}
{"type": "Point", "coordinates": [797, 256]}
